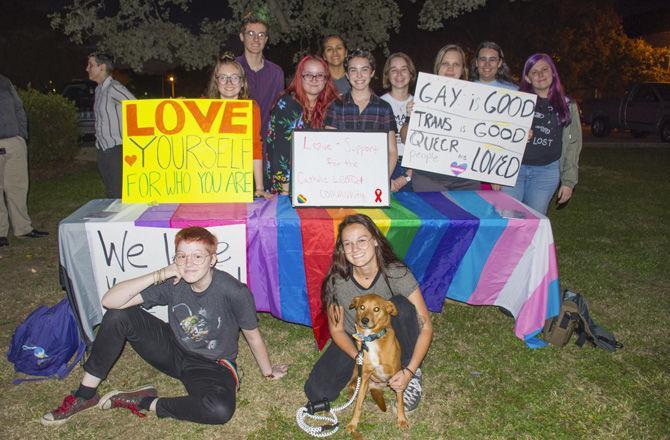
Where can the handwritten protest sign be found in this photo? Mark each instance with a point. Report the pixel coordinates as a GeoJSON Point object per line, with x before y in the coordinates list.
{"type": "Point", "coordinates": [121, 251]}
{"type": "Point", "coordinates": [337, 168]}
{"type": "Point", "coordinates": [187, 151]}
{"type": "Point", "coordinates": [468, 130]}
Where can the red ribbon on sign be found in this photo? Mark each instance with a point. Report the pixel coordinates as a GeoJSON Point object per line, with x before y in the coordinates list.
{"type": "Point", "coordinates": [378, 193]}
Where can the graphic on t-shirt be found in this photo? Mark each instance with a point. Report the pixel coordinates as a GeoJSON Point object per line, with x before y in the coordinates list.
{"type": "Point", "coordinates": [542, 129]}
{"type": "Point", "coordinates": [195, 326]}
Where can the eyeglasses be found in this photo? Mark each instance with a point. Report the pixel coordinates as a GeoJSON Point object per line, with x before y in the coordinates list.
{"type": "Point", "coordinates": [233, 79]}
{"type": "Point", "coordinates": [314, 76]}
{"type": "Point", "coordinates": [254, 34]}
{"type": "Point", "coordinates": [362, 244]}
{"type": "Point", "coordinates": [197, 258]}
{"type": "Point", "coordinates": [491, 60]}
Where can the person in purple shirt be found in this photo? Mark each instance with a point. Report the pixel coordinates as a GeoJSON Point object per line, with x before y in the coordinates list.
{"type": "Point", "coordinates": [265, 78]}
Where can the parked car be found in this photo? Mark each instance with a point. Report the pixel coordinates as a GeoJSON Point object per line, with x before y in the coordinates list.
{"type": "Point", "coordinates": [82, 93]}
{"type": "Point", "coordinates": [643, 110]}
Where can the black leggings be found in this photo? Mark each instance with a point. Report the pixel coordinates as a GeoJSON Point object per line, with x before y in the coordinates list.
{"type": "Point", "coordinates": [211, 387]}
{"type": "Point", "coordinates": [333, 371]}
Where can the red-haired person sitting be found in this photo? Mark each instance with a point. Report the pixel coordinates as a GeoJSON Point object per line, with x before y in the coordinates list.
{"type": "Point", "coordinates": [198, 345]}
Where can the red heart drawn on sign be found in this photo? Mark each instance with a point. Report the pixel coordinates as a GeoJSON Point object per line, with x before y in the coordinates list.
{"type": "Point", "coordinates": [130, 160]}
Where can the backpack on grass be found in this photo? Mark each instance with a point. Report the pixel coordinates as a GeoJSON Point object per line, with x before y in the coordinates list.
{"type": "Point", "coordinates": [574, 318]}
{"type": "Point", "coordinates": [46, 343]}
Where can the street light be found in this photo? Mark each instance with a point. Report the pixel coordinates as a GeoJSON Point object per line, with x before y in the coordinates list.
{"type": "Point", "coordinates": [171, 78]}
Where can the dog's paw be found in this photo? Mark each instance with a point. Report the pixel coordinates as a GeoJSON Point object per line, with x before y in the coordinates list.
{"type": "Point", "coordinates": [403, 423]}
{"type": "Point", "coordinates": [351, 428]}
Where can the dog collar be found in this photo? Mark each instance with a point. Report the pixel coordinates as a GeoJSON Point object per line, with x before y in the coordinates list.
{"type": "Point", "coordinates": [369, 338]}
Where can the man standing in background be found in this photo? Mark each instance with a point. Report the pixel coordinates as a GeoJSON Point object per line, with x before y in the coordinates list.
{"type": "Point", "coordinates": [265, 78]}
{"type": "Point", "coordinates": [108, 130]}
{"type": "Point", "coordinates": [14, 166]}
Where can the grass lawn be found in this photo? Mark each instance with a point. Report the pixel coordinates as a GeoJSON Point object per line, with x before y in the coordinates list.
{"type": "Point", "coordinates": [480, 380]}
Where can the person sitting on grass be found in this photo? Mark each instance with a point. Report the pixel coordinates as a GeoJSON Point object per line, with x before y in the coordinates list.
{"type": "Point", "coordinates": [364, 262]}
{"type": "Point", "coordinates": [206, 309]}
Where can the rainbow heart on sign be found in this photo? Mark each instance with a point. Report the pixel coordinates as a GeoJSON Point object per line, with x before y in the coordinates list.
{"type": "Point", "coordinates": [458, 168]}
{"type": "Point", "coordinates": [130, 160]}
{"type": "Point", "coordinates": [302, 199]}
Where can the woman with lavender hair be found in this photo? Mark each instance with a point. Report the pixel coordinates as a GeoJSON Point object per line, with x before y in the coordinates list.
{"type": "Point", "coordinates": [552, 153]}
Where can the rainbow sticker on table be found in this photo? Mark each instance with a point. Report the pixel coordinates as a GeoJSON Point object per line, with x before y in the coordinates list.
{"type": "Point", "coordinates": [302, 199]}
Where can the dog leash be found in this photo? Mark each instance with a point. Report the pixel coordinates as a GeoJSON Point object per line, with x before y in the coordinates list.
{"type": "Point", "coordinates": [331, 428]}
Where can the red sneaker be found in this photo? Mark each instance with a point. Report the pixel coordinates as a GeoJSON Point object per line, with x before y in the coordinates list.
{"type": "Point", "coordinates": [70, 406]}
{"type": "Point", "coordinates": [127, 399]}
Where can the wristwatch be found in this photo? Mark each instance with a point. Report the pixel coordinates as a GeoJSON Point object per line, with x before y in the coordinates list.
{"type": "Point", "coordinates": [408, 178]}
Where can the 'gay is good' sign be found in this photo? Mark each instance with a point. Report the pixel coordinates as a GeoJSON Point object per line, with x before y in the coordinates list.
{"type": "Point", "coordinates": [468, 130]}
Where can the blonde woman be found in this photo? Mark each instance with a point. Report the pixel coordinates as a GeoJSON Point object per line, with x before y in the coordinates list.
{"type": "Point", "coordinates": [450, 62]}
{"type": "Point", "coordinates": [228, 81]}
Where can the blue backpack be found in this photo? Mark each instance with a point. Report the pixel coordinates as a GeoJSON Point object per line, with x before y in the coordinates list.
{"type": "Point", "coordinates": [46, 343]}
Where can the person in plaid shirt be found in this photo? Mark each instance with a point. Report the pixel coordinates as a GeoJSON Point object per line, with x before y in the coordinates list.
{"type": "Point", "coordinates": [362, 110]}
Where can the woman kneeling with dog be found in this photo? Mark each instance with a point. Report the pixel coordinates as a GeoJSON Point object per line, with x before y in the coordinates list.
{"type": "Point", "coordinates": [364, 263]}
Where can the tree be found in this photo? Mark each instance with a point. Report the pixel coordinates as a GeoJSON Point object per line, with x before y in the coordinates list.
{"type": "Point", "coordinates": [137, 31]}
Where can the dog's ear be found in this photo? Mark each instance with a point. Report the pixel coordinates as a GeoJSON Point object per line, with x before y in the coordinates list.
{"type": "Point", "coordinates": [354, 303]}
{"type": "Point", "coordinates": [391, 308]}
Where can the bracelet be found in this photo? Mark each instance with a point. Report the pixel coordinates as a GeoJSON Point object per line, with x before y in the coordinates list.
{"type": "Point", "coordinates": [408, 369]}
{"type": "Point", "coordinates": [159, 276]}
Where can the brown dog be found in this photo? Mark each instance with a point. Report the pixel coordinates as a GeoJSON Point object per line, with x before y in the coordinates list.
{"type": "Point", "coordinates": [381, 354]}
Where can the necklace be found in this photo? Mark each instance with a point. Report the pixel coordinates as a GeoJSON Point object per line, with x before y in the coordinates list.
{"type": "Point", "coordinates": [370, 276]}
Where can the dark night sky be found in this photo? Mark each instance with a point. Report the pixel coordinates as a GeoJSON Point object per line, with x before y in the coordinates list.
{"type": "Point", "coordinates": [642, 17]}
{"type": "Point", "coordinates": [31, 52]}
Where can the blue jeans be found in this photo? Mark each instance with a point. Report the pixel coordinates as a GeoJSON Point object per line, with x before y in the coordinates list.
{"type": "Point", "coordinates": [536, 185]}
{"type": "Point", "coordinates": [400, 171]}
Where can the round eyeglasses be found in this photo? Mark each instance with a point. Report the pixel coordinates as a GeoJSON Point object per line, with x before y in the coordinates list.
{"type": "Point", "coordinates": [197, 258]}
{"type": "Point", "coordinates": [362, 243]}
{"type": "Point", "coordinates": [233, 79]}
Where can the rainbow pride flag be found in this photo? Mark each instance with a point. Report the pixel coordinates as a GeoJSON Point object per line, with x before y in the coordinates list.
{"type": "Point", "coordinates": [478, 247]}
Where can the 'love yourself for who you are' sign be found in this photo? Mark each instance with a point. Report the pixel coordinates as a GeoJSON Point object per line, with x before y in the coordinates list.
{"type": "Point", "coordinates": [340, 169]}
{"type": "Point", "coordinates": [187, 151]}
{"type": "Point", "coordinates": [468, 130]}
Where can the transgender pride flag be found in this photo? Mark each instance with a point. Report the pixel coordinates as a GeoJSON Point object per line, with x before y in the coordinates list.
{"type": "Point", "coordinates": [481, 248]}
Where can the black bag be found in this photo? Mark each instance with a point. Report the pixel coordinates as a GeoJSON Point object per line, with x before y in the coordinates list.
{"type": "Point", "coordinates": [574, 317]}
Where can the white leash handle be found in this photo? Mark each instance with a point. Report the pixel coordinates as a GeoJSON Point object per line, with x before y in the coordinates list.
{"type": "Point", "coordinates": [327, 430]}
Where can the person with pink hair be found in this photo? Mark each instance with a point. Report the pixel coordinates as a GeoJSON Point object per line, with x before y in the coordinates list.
{"type": "Point", "coordinates": [303, 105]}
{"type": "Point", "coordinates": [552, 153]}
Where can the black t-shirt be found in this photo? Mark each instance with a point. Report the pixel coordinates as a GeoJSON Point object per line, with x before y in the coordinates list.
{"type": "Point", "coordinates": [209, 322]}
{"type": "Point", "coordinates": [546, 144]}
